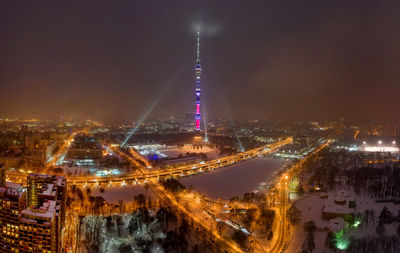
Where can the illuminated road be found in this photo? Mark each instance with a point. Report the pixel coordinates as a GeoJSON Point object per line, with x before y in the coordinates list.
{"type": "Point", "coordinates": [217, 239]}
{"type": "Point", "coordinates": [356, 134]}
{"type": "Point", "coordinates": [281, 243]}
{"type": "Point", "coordinates": [223, 243]}
{"type": "Point", "coordinates": [62, 151]}
{"type": "Point", "coordinates": [164, 195]}
{"type": "Point", "coordinates": [282, 215]}
{"type": "Point", "coordinates": [143, 177]}
{"type": "Point", "coordinates": [197, 202]}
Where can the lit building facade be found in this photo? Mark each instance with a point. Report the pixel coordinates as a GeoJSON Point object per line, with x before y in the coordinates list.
{"type": "Point", "coordinates": [40, 229]}
{"type": "Point", "coordinates": [31, 220]}
{"type": "Point", "coordinates": [12, 202]}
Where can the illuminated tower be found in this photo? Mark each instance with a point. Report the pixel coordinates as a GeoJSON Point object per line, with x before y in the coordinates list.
{"type": "Point", "coordinates": [198, 91]}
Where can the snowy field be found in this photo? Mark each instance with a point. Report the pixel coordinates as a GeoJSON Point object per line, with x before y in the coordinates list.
{"type": "Point", "coordinates": [311, 209]}
{"type": "Point", "coordinates": [124, 193]}
{"type": "Point", "coordinates": [173, 152]}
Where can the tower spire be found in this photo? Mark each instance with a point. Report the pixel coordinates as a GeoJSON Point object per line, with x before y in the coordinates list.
{"type": "Point", "coordinates": [198, 46]}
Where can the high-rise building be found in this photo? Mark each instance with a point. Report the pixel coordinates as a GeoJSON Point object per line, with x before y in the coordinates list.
{"type": "Point", "coordinates": [2, 175]}
{"type": "Point", "coordinates": [12, 202]}
{"type": "Point", "coordinates": [32, 220]}
{"type": "Point", "coordinates": [40, 229]}
{"type": "Point", "coordinates": [198, 90]}
{"type": "Point", "coordinates": [23, 134]}
{"type": "Point", "coordinates": [46, 187]}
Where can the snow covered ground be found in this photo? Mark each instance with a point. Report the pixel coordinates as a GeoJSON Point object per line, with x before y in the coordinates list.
{"type": "Point", "coordinates": [173, 152]}
{"type": "Point", "coordinates": [311, 206]}
{"type": "Point", "coordinates": [116, 236]}
{"type": "Point", "coordinates": [124, 193]}
{"type": "Point", "coordinates": [311, 209]}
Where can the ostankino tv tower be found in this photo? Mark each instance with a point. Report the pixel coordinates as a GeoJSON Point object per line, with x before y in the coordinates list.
{"type": "Point", "coordinates": [198, 90]}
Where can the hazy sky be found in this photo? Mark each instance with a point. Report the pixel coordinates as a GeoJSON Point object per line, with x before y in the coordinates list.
{"type": "Point", "coordinates": [277, 59]}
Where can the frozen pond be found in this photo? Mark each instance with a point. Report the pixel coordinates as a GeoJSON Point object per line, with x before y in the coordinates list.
{"type": "Point", "coordinates": [236, 179]}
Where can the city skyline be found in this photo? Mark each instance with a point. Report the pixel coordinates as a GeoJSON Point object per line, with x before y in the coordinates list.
{"type": "Point", "coordinates": [118, 136]}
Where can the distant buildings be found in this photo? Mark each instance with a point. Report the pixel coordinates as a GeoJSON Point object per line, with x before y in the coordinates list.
{"type": "Point", "coordinates": [31, 220]}
{"type": "Point", "coordinates": [292, 151]}
{"type": "Point", "coordinates": [379, 144]}
{"type": "Point", "coordinates": [36, 149]}
{"type": "Point", "coordinates": [181, 161]}
{"type": "Point", "coordinates": [86, 150]}
{"type": "Point", "coordinates": [39, 141]}
{"type": "Point", "coordinates": [11, 158]}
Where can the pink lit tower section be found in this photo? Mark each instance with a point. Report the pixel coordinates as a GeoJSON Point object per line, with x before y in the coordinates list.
{"type": "Point", "coordinates": [198, 90]}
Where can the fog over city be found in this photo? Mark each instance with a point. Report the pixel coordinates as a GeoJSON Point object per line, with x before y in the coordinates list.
{"type": "Point", "coordinates": [273, 59]}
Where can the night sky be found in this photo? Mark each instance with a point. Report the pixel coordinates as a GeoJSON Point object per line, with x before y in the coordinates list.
{"type": "Point", "coordinates": [275, 59]}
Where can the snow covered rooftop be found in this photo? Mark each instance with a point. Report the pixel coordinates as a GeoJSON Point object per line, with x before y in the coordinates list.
{"type": "Point", "coordinates": [14, 185]}
{"type": "Point", "coordinates": [12, 189]}
{"type": "Point", "coordinates": [47, 210]}
{"type": "Point", "coordinates": [341, 203]}
{"type": "Point", "coordinates": [49, 190]}
{"type": "Point", "coordinates": [60, 181]}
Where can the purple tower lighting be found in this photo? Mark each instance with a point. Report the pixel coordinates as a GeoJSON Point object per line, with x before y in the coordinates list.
{"type": "Point", "coordinates": [198, 90]}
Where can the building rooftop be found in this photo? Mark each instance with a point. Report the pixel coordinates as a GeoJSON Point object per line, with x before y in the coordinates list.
{"type": "Point", "coordinates": [47, 210]}
{"type": "Point", "coordinates": [12, 189]}
{"type": "Point", "coordinates": [49, 190]}
{"type": "Point", "coordinates": [57, 180]}
{"type": "Point", "coordinates": [339, 203]}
